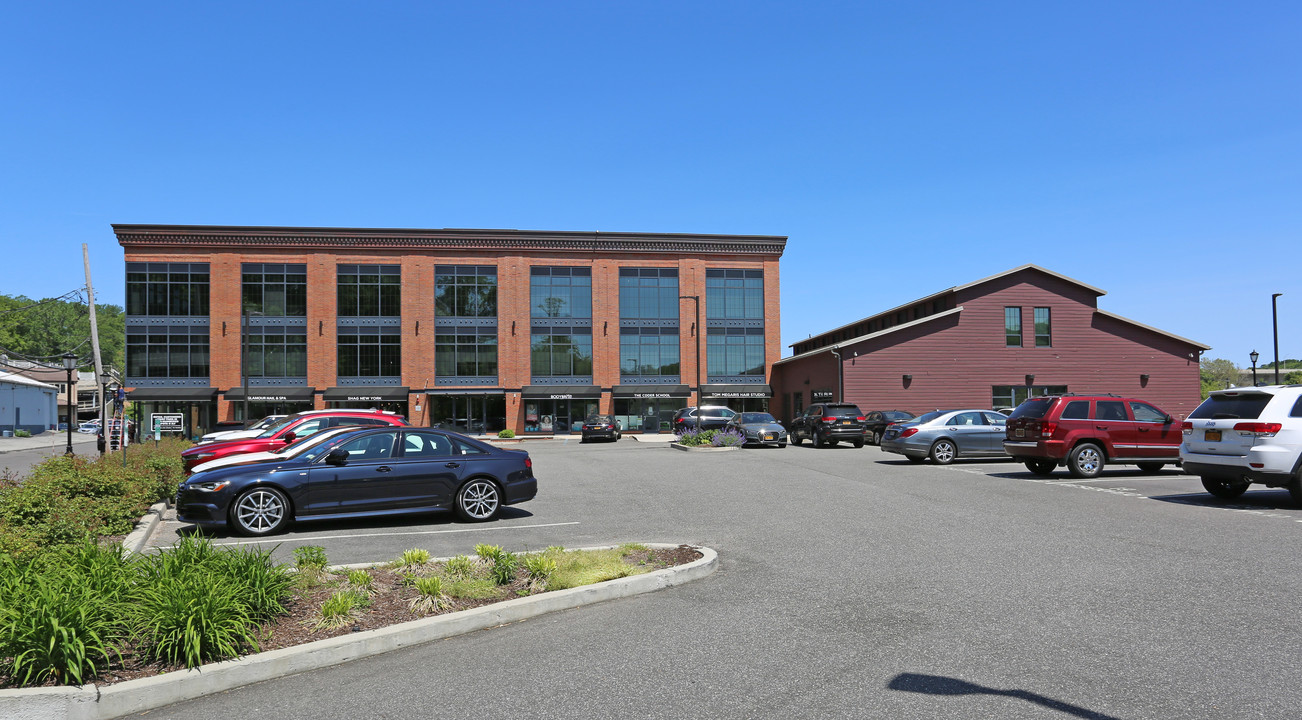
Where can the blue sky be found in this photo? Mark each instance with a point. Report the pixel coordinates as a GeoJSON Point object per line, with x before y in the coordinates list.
{"type": "Point", "coordinates": [1151, 149]}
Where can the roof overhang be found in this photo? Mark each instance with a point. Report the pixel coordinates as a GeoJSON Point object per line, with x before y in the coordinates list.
{"type": "Point", "coordinates": [1149, 328]}
{"type": "Point", "coordinates": [871, 336]}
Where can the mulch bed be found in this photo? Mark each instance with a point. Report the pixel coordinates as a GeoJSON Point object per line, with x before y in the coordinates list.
{"type": "Point", "coordinates": [390, 605]}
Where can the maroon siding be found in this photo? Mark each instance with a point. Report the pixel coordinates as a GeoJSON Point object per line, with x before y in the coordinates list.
{"type": "Point", "coordinates": [955, 360]}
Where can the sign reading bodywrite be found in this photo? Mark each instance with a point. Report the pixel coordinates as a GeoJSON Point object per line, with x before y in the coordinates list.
{"type": "Point", "coordinates": [167, 422]}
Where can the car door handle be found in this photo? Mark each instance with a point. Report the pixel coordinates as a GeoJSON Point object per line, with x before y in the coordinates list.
{"type": "Point", "coordinates": [452, 465]}
{"type": "Point", "coordinates": [383, 468]}
{"type": "Point", "coordinates": [1143, 429]}
{"type": "Point", "coordinates": [1100, 427]}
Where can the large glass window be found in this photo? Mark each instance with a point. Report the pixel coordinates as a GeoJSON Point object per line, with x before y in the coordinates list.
{"type": "Point", "coordinates": [734, 352]}
{"type": "Point", "coordinates": [370, 352]}
{"type": "Point", "coordinates": [1010, 396]}
{"type": "Point", "coordinates": [465, 291]}
{"type": "Point", "coordinates": [1012, 327]}
{"type": "Point", "coordinates": [167, 289]}
{"type": "Point", "coordinates": [648, 293]}
{"type": "Point", "coordinates": [648, 351]}
{"type": "Point", "coordinates": [370, 290]}
{"type": "Point", "coordinates": [275, 290]}
{"type": "Point", "coordinates": [1043, 331]}
{"type": "Point", "coordinates": [562, 355]}
{"type": "Point", "coordinates": [161, 352]}
{"type": "Point", "coordinates": [734, 294]}
{"type": "Point", "coordinates": [277, 352]}
{"type": "Point", "coordinates": [466, 352]}
{"type": "Point", "coordinates": [560, 292]}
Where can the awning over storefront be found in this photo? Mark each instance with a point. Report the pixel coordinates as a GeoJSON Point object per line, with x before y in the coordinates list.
{"type": "Point", "coordinates": [464, 391]}
{"type": "Point", "coordinates": [388, 393]}
{"type": "Point", "coordinates": [159, 394]}
{"type": "Point", "coordinates": [650, 391]}
{"type": "Point", "coordinates": [561, 392]}
{"type": "Point", "coordinates": [737, 391]}
{"type": "Point", "coordinates": [272, 394]}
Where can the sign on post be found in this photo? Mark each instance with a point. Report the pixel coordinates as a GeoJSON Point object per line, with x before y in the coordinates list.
{"type": "Point", "coordinates": [167, 423]}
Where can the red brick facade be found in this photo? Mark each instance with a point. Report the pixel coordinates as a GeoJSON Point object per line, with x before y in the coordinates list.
{"type": "Point", "coordinates": [513, 253]}
{"type": "Point", "coordinates": [952, 348]}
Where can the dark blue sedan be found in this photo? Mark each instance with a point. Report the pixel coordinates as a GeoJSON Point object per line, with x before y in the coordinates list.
{"type": "Point", "coordinates": [360, 473]}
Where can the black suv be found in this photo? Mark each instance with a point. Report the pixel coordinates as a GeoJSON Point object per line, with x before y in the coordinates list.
{"type": "Point", "coordinates": [713, 417]}
{"type": "Point", "coordinates": [829, 423]}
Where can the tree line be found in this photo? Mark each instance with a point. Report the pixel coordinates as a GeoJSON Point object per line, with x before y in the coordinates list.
{"type": "Point", "coordinates": [45, 329]}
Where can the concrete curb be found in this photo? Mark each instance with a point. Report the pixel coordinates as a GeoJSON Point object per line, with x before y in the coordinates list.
{"type": "Point", "coordinates": [699, 448]}
{"type": "Point", "coordinates": [135, 541]}
{"type": "Point", "coordinates": [90, 702]}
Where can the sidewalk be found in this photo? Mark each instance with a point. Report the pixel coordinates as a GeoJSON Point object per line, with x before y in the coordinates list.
{"type": "Point", "coordinates": [48, 440]}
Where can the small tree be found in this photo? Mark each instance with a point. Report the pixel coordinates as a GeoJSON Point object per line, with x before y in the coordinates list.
{"type": "Point", "coordinates": [1217, 374]}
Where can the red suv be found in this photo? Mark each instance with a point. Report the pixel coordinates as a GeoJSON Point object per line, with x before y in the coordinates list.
{"type": "Point", "coordinates": [1086, 432]}
{"type": "Point", "coordinates": [287, 431]}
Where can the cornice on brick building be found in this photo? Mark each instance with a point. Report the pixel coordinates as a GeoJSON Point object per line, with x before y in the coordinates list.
{"type": "Point", "coordinates": [217, 237]}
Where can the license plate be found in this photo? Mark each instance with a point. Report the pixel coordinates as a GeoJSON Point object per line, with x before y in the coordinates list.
{"type": "Point", "coordinates": [1019, 432]}
{"type": "Point", "coordinates": [769, 436]}
{"type": "Point", "coordinates": [845, 422]}
{"type": "Point", "coordinates": [1212, 436]}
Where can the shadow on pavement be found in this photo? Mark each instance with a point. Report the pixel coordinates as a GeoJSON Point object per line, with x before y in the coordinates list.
{"type": "Point", "coordinates": [306, 528]}
{"type": "Point", "coordinates": [1263, 499]}
{"type": "Point", "coordinates": [940, 685]}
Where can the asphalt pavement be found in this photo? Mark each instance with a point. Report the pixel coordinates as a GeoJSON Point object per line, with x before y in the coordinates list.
{"type": "Point", "coordinates": [18, 455]}
{"type": "Point", "coordinates": [851, 584]}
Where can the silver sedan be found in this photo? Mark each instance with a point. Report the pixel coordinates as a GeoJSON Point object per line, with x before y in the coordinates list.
{"type": "Point", "coordinates": [758, 428]}
{"type": "Point", "coordinates": [945, 435]}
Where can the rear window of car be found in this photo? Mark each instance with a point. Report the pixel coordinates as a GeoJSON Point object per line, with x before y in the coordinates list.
{"type": "Point", "coordinates": [1236, 406]}
{"type": "Point", "coordinates": [1032, 409]}
{"type": "Point", "coordinates": [842, 410]}
{"type": "Point", "coordinates": [897, 415]}
{"type": "Point", "coordinates": [928, 417]}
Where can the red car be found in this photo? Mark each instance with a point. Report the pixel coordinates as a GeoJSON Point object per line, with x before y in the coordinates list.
{"type": "Point", "coordinates": [294, 427]}
{"type": "Point", "coordinates": [1087, 432]}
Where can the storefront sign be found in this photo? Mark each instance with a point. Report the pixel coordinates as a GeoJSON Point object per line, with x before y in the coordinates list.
{"type": "Point", "coordinates": [822, 395]}
{"type": "Point", "coordinates": [652, 395]}
{"type": "Point", "coordinates": [562, 397]}
{"type": "Point", "coordinates": [364, 398]}
{"type": "Point", "coordinates": [267, 398]}
{"type": "Point", "coordinates": [167, 422]}
{"type": "Point", "coordinates": [738, 395]}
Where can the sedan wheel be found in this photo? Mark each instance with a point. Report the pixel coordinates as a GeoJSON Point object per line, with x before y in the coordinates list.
{"type": "Point", "coordinates": [260, 511]}
{"type": "Point", "coordinates": [943, 452]}
{"type": "Point", "coordinates": [478, 501]}
{"type": "Point", "coordinates": [877, 437]}
{"type": "Point", "coordinates": [1041, 467]}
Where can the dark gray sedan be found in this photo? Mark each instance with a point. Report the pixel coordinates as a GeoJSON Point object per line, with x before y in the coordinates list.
{"type": "Point", "coordinates": [945, 435]}
{"type": "Point", "coordinates": [758, 428]}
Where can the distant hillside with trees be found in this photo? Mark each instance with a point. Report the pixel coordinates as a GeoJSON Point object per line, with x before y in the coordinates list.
{"type": "Point", "coordinates": [45, 329]}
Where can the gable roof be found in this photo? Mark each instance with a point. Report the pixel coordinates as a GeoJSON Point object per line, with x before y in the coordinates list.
{"type": "Point", "coordinates": [869, 336]}
{"type": "Point", "coordinates": [17, 379]}
{"type": "Point", "coordinates": [1150, 328]}
{"type": "Point", "coordinates": [954, 289]}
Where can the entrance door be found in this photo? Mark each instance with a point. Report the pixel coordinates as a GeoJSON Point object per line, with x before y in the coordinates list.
{"type": "Point", "coordinates": [650, 417]}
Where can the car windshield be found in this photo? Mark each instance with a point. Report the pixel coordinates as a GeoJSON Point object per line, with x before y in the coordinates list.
{"type": "Point", "coordinates": [842, 410]}
{"type": "Point", "coordinates": [299, 447]}
{"type": "Point", "coordinates": [271, 431]}
{"type": "Point", "coordinates": [1032, 409]}
{"type": "Point", "coordinates": [928, 417]}
{"type": "Point", "coordinates": [757, 417]}
{"type": "Point", "coordinates": [1232, 406]}
{"type": "Point", "coordinates": [599, 419]}
{"type": "Point", "coordinates": [264, 422]}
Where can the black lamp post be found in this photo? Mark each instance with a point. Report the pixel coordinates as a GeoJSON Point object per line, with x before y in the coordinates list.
{"type": "Point", "coordinates": [1253, 357]}
{"type": "Point", "coordinates": [700, 395]}
{"type": "Point", "coordinates": [104, 380]}
{"type": "Point", "coordinates": [70, 364]}
{"type": "Point", "coordinates": [1274, 326]}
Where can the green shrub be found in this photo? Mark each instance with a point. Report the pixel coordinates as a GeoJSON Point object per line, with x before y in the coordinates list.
{"type": "Point", "coordinates": [488, 552]}
{"type": "Point", "coordinates": [460, 566]}
{"type": "Point", "coordinates": [506, 434]}
{"type": "Point", "coordinates": [431, 596]}
{"type": "Point", "coordinates": [22, 433]}
{"type": "Point", "coordinates": [504, 566]}
{"type": "Point", "coordinates": [413, 557]}
{"type": "Point", "coordinates": [361, 581]}
{"type": "Point", "coordinates": [540, 569]}
{"type": "Point", "coordinates": [692, 438]}
{"type": "Point", "coordinates": [310, 560]}
{"type": "Point", "coordinates": [338, 609]}
{"type": "Point", "coordinates": [192, 618]}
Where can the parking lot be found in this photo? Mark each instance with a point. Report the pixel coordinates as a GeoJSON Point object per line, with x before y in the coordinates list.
{"type": "Point", "coordinates": [852, 584]}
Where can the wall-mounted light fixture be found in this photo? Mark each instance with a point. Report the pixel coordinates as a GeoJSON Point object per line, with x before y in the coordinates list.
{"type": "Point", "coordinates": [1143, 379]}
{"type": "Point", "coordinates": [512, 328]}
{"type": "Point", "coordinates": [320, 328]}
{"type": "Point", "coordinates": [604, 323]}
{"type": "Point", "coordinates": [1030, 379]}
{"type": "Point", "coordinates": [908, 378]}
{"type": "Point", "coordinates": [223, 328]}
{"type": "Point", "coordinates": [417, 327]}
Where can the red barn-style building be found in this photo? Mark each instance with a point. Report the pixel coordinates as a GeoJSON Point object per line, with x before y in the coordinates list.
{"type": "Point", "coordinates": [990, 344]}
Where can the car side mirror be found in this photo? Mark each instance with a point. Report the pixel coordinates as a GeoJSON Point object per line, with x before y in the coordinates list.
{"type": "Point", "coordinates": [288, 437]}
{"type": "Point", "coordinates": [338, 456]}
{"type": "Point", "coordinates": [1168, 420]}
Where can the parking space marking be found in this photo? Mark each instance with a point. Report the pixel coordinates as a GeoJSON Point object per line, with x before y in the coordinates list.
{"type": "Point", "coordinates": [282, 539]}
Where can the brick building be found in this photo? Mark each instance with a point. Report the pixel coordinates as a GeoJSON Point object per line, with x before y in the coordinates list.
{"type": "Point", "coordinates": [990, 344]}
{"type": "Point", "coordinates": [476, 330]}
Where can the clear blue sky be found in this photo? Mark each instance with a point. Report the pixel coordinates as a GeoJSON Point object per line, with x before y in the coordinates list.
{"type": "Point", "coordinates": [1153, 150]}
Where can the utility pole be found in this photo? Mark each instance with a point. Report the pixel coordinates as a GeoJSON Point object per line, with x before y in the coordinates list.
{"type": "Point", "coordinates": [94, 345]}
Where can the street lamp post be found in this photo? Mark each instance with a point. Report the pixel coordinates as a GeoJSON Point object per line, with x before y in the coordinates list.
{"type": "Point", "coordinates": [1274, 326]}
{"type": "Point", "coordinates": [700, 396]}
{"type": "Point", "coordinates": [70, 364]}
{"type": "Point", "coordinates": [1253, 357]}
{"type": "Point", "coordinates": [104, 380]}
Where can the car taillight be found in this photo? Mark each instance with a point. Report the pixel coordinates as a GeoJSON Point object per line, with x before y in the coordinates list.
{"type": "Point", "coordinates": [1186, 427]}
{"type": "Point", "coordinates": [829, 419]}
{"type": "Point", "coordinates": [861, 418]}
{"type": "Point", "coordinates": [908, 431]}
{"type": "Point", "coordinates": [1260, 429]}
{"type": "Point", "coordinates": [1048, 429]}
{"type": "Point", "coordinates": [528, 462]}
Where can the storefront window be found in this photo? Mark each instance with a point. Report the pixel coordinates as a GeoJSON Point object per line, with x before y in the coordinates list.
{"type": "Point", "coordinates": [160, 352]}
{"type": "Point", "coordinates": [277, 352]}
{"type": "Point", "coordinates": [647, 415]}
{"type": "Point", "coordinates": [557, 416]}
{"type": "Point", "coordinates": [469, 414]}
{"type": "Point", "coordinates": [735, 352]}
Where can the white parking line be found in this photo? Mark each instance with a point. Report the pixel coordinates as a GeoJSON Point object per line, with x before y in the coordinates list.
{"type": "Point", "coordinates": [394, 534]}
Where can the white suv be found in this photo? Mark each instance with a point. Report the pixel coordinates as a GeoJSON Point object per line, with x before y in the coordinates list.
{"type": "Point", "coordinates": [1246, 435]}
